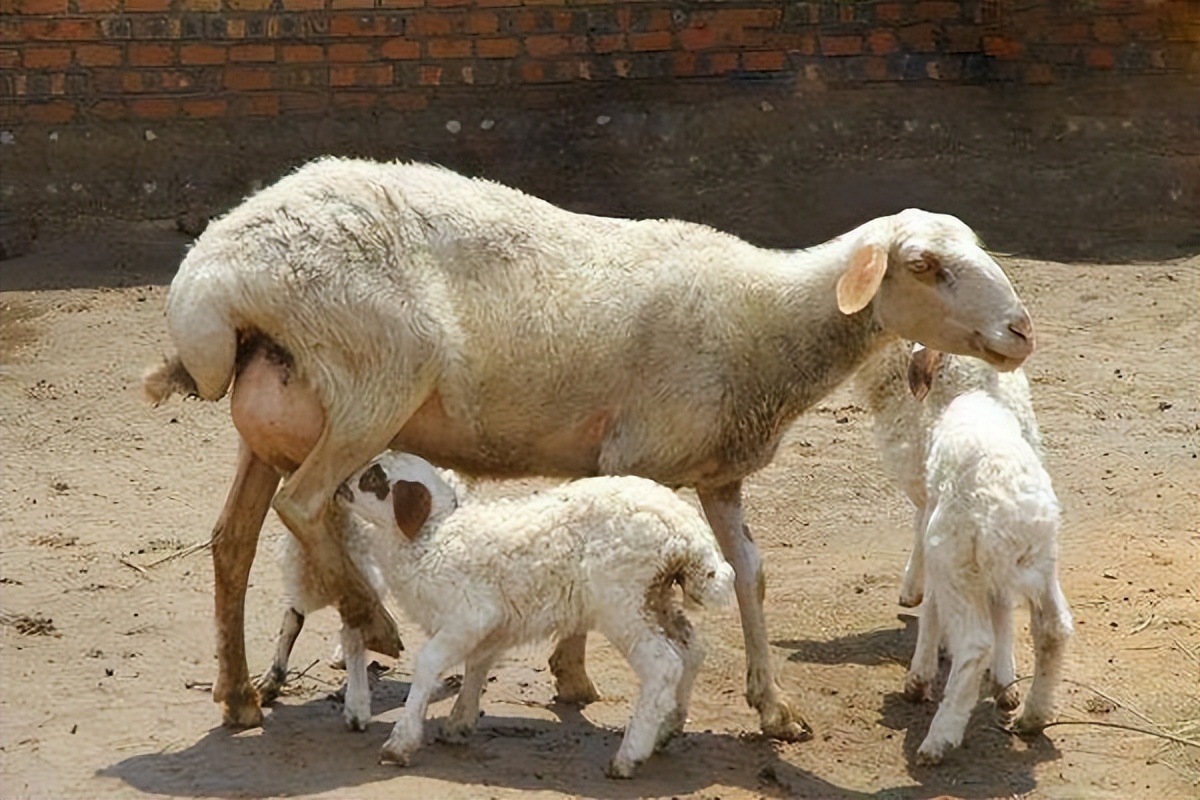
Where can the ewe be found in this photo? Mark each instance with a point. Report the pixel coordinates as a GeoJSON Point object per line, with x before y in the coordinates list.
{"type": "Point", "coordinates": [363, 305]}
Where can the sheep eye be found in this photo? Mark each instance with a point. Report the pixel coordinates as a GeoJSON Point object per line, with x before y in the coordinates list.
{"type": "Point", "coordinates": [926, 262]}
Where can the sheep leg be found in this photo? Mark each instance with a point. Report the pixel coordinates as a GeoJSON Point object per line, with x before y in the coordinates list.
{"type": "Point", "coordinates": [659, 668]}
{"type": "Point", "coordinates": [357, 708]}
{"type": "Point", "coordinates": [303, 505]}
{"type": "Point", "coordinates": [234, 541]}
{"type": "Point", "coordinates": [1004, 664]}
{"type": "Point", "coordinates": [969, 640]}
{"type": "Point", "coordinates": [444, 649]}
{"type": "Point", "coordinates": [723, 508]}
{"type": "Point", "coordinates": [571, 680]}
{"type": "Point", "coordinates": [912, 588]}
{"type": "Point", "coordinates": [918, 683]}
{"type": "Point", "coordinates": [1051, 627]}
{"type": "Point", "coordinates": [276, 675]}
{"type": "Point", "coordinates": [692, 650]}
{"type": "Point", "coordinates": [465, 714]}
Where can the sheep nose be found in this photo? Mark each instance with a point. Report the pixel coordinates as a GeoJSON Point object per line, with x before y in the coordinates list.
{"type": "Point", "coordinates": [1022, 328]}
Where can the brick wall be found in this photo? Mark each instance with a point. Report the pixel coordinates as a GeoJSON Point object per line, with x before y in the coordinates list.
{"type": "Point", "coordinates": [67, 61]}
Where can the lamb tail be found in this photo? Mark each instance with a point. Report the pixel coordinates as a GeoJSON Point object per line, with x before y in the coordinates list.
{"type": "Point", "coordinates": [168, 378]}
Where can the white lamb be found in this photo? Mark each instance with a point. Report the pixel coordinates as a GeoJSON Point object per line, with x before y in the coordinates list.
{"type": "Point", "coordinates": [988, 534]}
{"type": "Point", "coordinates": [480, 578]}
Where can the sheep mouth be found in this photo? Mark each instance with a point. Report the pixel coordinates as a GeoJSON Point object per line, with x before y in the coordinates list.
{"type": "Point", "coordinates": [1000, 361]}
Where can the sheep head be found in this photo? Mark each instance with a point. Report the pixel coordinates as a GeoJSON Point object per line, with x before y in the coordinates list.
{"type": "Point", "coordinates": [929, 280]}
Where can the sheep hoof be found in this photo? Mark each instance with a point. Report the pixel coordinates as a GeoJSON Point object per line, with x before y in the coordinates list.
{"type": "Point", "coordinates": [916, 690]}
{"type": "Point", "coordinates": [1029, 724]}
{"type": "Point", "coordinates": [931, 754]}
{"type": "Point", "coordinates": [620, 769]}
{"type": "Point", "coordinates": [269, 686]}
{"type": "Point", "coordinates": [356, 722]}
{"type": "Point", "coordinates": [786, 725]}
{"type": "Point", "coordinates": [1007, 698]}
{"type": "Point", "coordinates": [455, 732]}
{"type": "Point", "coordinates": [241, 709]}
{"type": "Point", "coordinates": [396, 754]}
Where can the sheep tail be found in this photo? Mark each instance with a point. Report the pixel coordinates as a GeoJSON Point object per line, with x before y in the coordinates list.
{"type": "Point", "coordinates": [708, 580]}
{"type": "Point", "coordinates": [168, 378]}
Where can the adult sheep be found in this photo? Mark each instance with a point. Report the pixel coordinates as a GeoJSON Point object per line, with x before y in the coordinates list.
{"type": "Point", "coordinates": [364, 305]}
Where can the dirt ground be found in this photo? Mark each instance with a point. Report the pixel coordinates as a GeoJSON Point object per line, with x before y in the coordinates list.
{"type": "Point", "coordinates": [107, 643]}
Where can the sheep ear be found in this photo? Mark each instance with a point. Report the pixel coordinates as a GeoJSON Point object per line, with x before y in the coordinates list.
{"type": "Point", "coordinates": [411, 504]}
{"type": "Point", "coordinates": [922, 364]}
{"type": "Point", "coordinates": [861, 280]}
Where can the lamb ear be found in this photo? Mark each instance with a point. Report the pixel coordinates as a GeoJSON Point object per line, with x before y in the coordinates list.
{"type": "Point", "coordinates": [922, 364]}
{"type": "Point", "coordinates": [411, 504]}
{"type": "Point", "coordinates": [861, 280]}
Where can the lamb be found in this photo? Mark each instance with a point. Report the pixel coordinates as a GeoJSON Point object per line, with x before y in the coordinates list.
{"type": "Point", "coordinates": [987, 526]}
{"type": "Point", "coordinates": [480, 578]}
{"type": "Point", "coordinates": [304, 593]}
{"type": "Point", "coordinates": [363, 305]}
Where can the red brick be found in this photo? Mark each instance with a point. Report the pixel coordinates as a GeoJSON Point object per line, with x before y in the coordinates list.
{"type": "Point", "coordinates": [204, 108]}
{"type": "Point", "coordinates": [406, 101]}
{"type": "Point", "coordinates": [50, 113]}
{"type": "Point", "coordinates": [303, 5]}
{"type": "Point", "coordinates": [36, 7]}
{"type": "Point", "coordinates": [448, 3]}
{"type": "Point", "coordinates": [1108, 31]}
{"type": "Point", "coordinates": [247, 79]}
{"type": "Point", "coordinates": [360, 25]}
{"type": "Point", "coordinates": [937, 10]}
{"type": "Point", "coordinates": [47, 57]}
{"type": "Point", "coordinates": [497, 3]}
{"type": "Point", "coordinates": [355, 101]}
{"type": "Point", "coordinates": [876, 69]}
{"type": "Point", "coordinates": [402, 3]}
{"type": "Point", "coordinates": [154, 107]}
{"type": "Point", "coordinates": [245, 5]}
{"type": "Point", "coordinates": [202, 54]}
{"type": "Point", "coordinates": [532, 72]}
{"type": "Point", "coordinates": [211, 6]}
{"type": "Point", "coordinates": [108, 109]}
{"type": "Point", "coordinates": [721, 63]}
{"type": "Point", "coordinates": [252, 52]}
{"type": "Point", "coordinates": [430, 25]}
{"type": "Point", "coordinates": [1100, 58]}
{"type": "Point", "coordinates": [60, 29]}
{"type": "Point", "coordinates": [99, 7]}
{"type": "Point", "coordinates": [764, 60]}
{"type": "Point", "coordinates": [1144, 27]}
{"type": "Point", "coordinates": [1039, 74]}
{"type": "Point", "coordinates": [482, 22]}
{"type": "Point", "coordinates": [301, 53]}
{"type": "Point", "coordinates": [656, 41]}
{"type": "Point", "coordinates": [304, 102]}
{"type": "Point", "coordinates": [526, 22]}
{"type": "Point", "coordinates": [362, 75]}
{"type": "Point", "coordinates": [562, 21]}
{"type": "Point", "coordinates": [887, 12]}
{"type": "Point", "coordinates": [496, 48]}
{"type": "Point", "coordinates": [1072, 33]}
{"type": "Point", "coordinates": [260, 105]}
{"type": "Point", "coordinates": [344, 53]}
{"type": "Point", "coordinates": [841, 45]}
{"type": "Point", "coordinates": [1002, 48]}
{"type": "Point", "coordinates": [918, 38]}
{"type": "Point", "coordinates": [608, 43]}
{"type": "Point", "coordinates": [801, 43]}
{"type": "Point", "coordinates": [882, 42]}
{"type": "Point", "coordinates": [342, 5]}
{"type": "Point", "coordinates": [698, 37]}
{"type": "Point", "coordinates": [683, 65]}
{"type": "Point", "coordinates": [10, 59]}
{"type": "Point", "coordinates": [547, 45]}
{"type": "Point", "coordinates": [448, 48]}
{"type": "Point", "coordinates": [430, 75]}
{"type": "Point", "coordinates": [400, 49]}
{"type": "Point", "coordinates": [152, 6]}
{"type": "Point", "coordinates": [150, 55]}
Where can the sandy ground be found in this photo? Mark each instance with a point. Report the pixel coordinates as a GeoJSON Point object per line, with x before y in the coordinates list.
{"type": "Point", "coordinates": [107, 645]}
